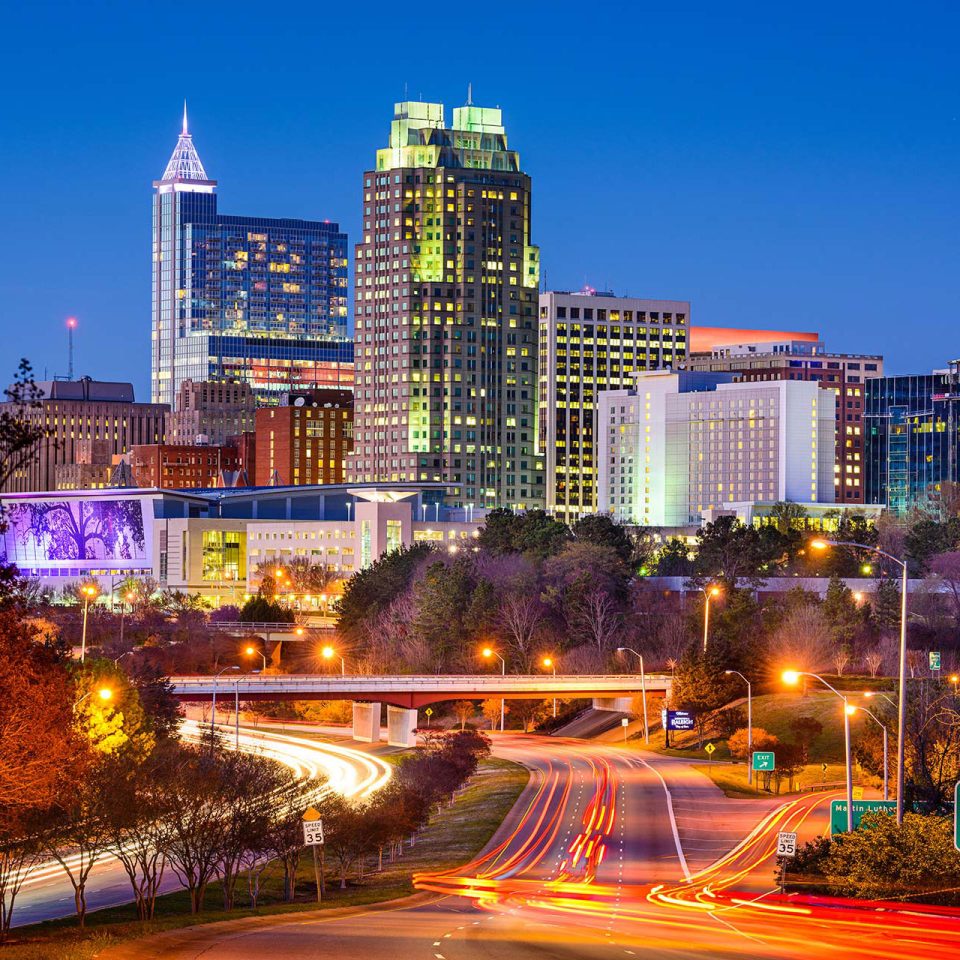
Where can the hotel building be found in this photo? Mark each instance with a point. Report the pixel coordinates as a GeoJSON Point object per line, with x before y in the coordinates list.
{"type": "Point", "coordinates": [680, 446]}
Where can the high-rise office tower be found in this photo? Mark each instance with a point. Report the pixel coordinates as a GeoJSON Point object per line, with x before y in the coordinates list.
{"type": "Point", "coordinates": [590, 342]}
{"type": "Point", "coordinates": [446, 312]}
{"type": "Point", "coordinates": [248, 299]}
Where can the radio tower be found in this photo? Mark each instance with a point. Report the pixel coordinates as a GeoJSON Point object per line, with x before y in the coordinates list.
{"type": "Point", "coordinates": [71, 326]}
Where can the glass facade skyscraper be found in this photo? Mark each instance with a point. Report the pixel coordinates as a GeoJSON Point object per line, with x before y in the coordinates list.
{"type": "Point", "coordinates": [912, 432]}
{"type": "Point", "coordinates": [248, 299]}
{"type": "Point", "coordinates": [446, 312]}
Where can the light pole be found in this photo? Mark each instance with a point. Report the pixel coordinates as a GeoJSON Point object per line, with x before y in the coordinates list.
{"type": "Point", "coordinates": [123, 612]}
{"type": "Point", "coordinates": [902, 705]}
{"type": "Point", "coordinates": [251, 650]}
{"type": "Point", "coordinates": [104, 693]}
{"type": "Point", "coordinates": [749, 722]}
{"type": "Point", "coordinates": [236, 711]}
{"type": "Point", "coordinates": [643, 690]}
{"type": "Point", "coordinates": [883, 727]}
{"type": "Point", "coordinates": [328, 653]}
{"type": "Point", "coordinates": [877, 693]}
{"type": "Point", "coordinates": [790, 677]}
{"type": "Point", "coordinates": [488, 652]}
{"type": "Point", "coordinates": [213, 704]}
{"type": "Point", "coordinates": [550, 665]}
{"type": "Point", "coordinates": [708, 592]}
{"type": "Point", "coordinates": [89, 592]}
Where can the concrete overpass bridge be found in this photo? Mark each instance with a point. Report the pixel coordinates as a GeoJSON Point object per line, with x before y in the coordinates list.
{"type": "Point", "coordinates": [405, 694]}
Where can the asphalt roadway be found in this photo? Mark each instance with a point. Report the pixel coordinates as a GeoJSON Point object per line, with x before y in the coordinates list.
{"type": "Point", "coordinates": [589, 865]}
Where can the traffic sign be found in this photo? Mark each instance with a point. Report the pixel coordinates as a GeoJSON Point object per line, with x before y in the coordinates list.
{"type": "Point", "coordinates": [838, 812]}
{"type": "Point", "coordinates": [312, 828]}
{"type": "Point", "coordinates": [786, 844]}
{"type": "Point", "coordinates": [709, 748]}
{"type": "Point", "coordinates": [858, 793]}
{"type": "Point", "coordinates": [429, 711]}
{"type": "Point", "coordinates": [934, 656]}
{"type": "Point", "coordinates": [625, 722]}
{"type": "Point", "coordinates": [764, 761]}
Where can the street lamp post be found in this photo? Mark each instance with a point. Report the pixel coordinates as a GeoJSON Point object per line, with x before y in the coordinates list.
{"type": "Point", "coordinates": [550, 665]}
{"type": "Point", "coordinates": [104, 693]}
{"type": "Point", "coordinates": [791, 677]}
{"type": "Point", "coordinates": [749, 722]}
{"type": "Point", "coordinates": [886, 771]}
{"type": "Point", "coordinates": [643, 690]}
{"type": "Point", "coordinates": [123, 612]}
{"type": "Point", "coordinates": [213, 703]}
{"type": "Point", "coordinates": [236, 711]}
{"type": "Point", "coordinates": [89, 591]}
{"type": "Point", "coordinates": [251, 650]}
{"type": "Point", "coordinates": [902, 705]}
{"type": "Point", "coordinates": [488, 652]}
{"type": "Point", "coordinates": [329, 653]}
{"type": "Point", "coordinates": [708, 592]}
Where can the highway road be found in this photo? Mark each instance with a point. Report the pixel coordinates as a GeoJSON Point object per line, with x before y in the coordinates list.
{"type": "Point", "coordinates": [47, 893]}
{"type": "Point", "coordinates": [589, 865]}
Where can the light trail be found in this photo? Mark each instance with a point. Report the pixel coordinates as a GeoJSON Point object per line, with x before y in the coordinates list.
{"type": "Point", "coordinates": [702, 911]}
{"type": "Point", "coordinates": [337, 769]}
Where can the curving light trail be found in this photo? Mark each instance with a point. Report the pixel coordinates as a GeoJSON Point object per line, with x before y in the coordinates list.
{"type": "Point", "coordinates": [537, 868]}
{"type": "Point", "coordinates": [337, 769]}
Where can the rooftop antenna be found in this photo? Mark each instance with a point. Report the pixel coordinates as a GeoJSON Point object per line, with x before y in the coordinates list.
{"type": "Point", "coordinates": [71, 326]}
{"type": "Point", "coordinates": [185, 132]}
{"type": "Point", "coordinates": [469, 94]}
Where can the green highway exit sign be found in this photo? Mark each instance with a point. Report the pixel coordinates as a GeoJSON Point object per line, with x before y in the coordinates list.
{"type": "Point", "coordinates": [934, 657]}
{"type": "Point", "coordinates": [838, 812]}
{"type": "Point", "coordinates": [764, 761]}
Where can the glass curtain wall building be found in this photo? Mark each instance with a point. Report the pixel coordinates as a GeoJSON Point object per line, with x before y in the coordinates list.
{"type": "Point", "coordinates": [911, 425]}
{"type": "Point", "coordinates": [446, 312]}
{"type": "Point", "coordinates": [249, 299]}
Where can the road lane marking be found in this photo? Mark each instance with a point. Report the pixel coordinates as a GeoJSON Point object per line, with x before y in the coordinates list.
{"type": "Point", "coordinates": [673, 819]}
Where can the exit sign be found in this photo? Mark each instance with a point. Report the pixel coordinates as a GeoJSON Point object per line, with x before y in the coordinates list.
{"type": "Point", "coordinates": [934, 659]}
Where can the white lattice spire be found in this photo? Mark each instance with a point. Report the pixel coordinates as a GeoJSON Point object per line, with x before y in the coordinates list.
{"type": "Point", "coordinates": [185, 162]}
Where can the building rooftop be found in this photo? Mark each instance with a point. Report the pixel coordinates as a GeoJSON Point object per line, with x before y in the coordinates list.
{"type": "Point", "coordinates": [87, 389]}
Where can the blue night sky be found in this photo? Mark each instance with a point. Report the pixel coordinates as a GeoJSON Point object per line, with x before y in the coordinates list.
{"type": "Point", "coordinates": [779, 165]}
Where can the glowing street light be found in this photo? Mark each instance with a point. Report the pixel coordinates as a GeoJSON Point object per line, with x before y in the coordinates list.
{"type": "Point", "coordinates": [791, 678]}
{"type": "Point", "coordinates": [89, 592]}
{"type": "Point", "coordinates": [104, 693]}
{"type": "Point", "coordinates": [489, 653]}
{"type": "Point", "coordinates": [251, 650]}
{"type": "Point", "coordinates": [548, 664]}
{"type": "Point", "coordinates": [708, 592]}
{"type": "Point", "coordinates": [328, 653]}
{"type": "Point", "coordinates": [643, 690]}
{"type": "Point", "coordinates": [821, 544]}
{"type": "Point", "coordinates": [954, 679]}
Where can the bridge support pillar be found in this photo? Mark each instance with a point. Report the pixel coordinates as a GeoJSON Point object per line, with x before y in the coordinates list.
{"type": "Point", "coordinates": [616, 704]}
{"type": "Point", "coordinates": [401, 727]}
{"type": "Point", "coordinates": [366, 722]}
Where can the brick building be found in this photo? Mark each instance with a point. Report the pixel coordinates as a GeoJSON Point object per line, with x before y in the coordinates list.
{"type": "Point", "coordinates": [181, 467]}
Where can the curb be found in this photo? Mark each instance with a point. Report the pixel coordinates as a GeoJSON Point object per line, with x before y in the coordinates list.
{"type": "Point", "coordinates": [159, 945]}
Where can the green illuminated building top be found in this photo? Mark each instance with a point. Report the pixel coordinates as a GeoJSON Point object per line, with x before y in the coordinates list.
{"type": "Point", "coordinates": [446, 312]}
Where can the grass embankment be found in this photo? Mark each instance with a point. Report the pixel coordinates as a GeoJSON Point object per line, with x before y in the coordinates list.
{"type": "Point", "coordinates": [452, 837]}
{"type": "Point", "coordinates": [776, 713]}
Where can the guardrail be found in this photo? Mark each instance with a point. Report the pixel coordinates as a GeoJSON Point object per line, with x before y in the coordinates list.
{"type": "Point", "coordinates": [417, 690]}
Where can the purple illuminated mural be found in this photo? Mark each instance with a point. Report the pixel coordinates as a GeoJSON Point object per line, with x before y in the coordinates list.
{"type": "Point", "coordinates": [77, 529]}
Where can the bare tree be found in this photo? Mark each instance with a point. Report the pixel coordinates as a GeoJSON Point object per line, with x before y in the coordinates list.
{"type": "Point", "coordinates": [18, 855]}
{"type": "Point", "coordinates": [21, 428]}
{"type": "Point", "coordinates": [873, 661]}
{"type": "Point", "coordinates": [841, 658]}
{"type": "Point", "coordinates": [464, 710]}
{"type": "Point", "coordinates": [520, 616]}
{"type": "Point", "coordinates": [598, 616]}
{"type": "Point", "coordinates": [803, 639]}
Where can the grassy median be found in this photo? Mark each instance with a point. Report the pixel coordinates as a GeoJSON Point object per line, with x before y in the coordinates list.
{"type": "Point", "coordinates": [453, 836]}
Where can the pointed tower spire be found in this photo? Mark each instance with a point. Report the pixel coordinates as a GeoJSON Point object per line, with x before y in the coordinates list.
{"type": "Point", "coordinates": [184, 163]}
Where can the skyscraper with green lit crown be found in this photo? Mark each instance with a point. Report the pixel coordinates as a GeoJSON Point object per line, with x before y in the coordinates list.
{"type": "Point", "coordinates": [446, 312]}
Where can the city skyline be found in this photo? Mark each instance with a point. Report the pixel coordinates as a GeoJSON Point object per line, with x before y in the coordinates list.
{"type": "Point", "coordinates": [763, 208]}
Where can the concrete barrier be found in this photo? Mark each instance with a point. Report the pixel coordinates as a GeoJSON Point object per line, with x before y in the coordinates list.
{"type": "Point", "coordinates": [401, 727]}
{"type": "Point", "coordinates": [366, 722]}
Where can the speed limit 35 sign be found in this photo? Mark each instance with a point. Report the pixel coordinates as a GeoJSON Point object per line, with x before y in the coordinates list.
{"type": "Point", "coordinates": [786, 844]}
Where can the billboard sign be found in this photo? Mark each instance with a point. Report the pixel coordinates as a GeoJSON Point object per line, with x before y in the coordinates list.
{"type": "Point", "coordinates": [679, 720]}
